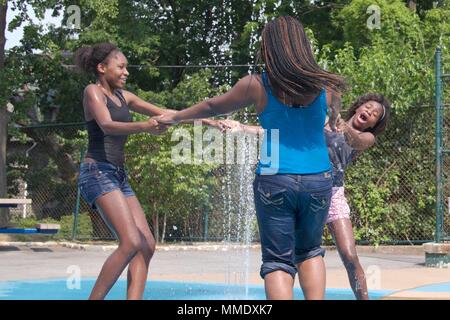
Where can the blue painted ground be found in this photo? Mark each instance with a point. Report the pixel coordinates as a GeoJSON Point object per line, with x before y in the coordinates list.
{"type": "Point", "coordinates": [439, 287]}
{"type": "Point", "coordinates": [155, 290]}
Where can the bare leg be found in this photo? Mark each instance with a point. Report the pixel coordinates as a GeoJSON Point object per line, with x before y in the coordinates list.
{"type": "Point", "coordinates": [342, 232]}
{"type": "Point", "coordinates": [279, 285]}
{"type": "Point", "coordinates": [117, 214]}
{"type": "Point", "coordinates": [312, 278]}
{"type": "Point", "coordinates": [138, 268]}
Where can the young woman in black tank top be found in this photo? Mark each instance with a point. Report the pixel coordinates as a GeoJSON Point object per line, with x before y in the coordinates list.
{"type": "Point", "coordinates": [103, 180]}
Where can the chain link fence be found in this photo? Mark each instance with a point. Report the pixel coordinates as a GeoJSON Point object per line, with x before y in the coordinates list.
{"type": "Point", "coordinates": [445, 210]}
{"type": "Point", "coordinates": [446, 191]}
{"type": "Point", "coordinates": [446, 160]}
{"type": "Point", "coordinates": [43, 163]}
{"type": "Point", "coordinates": [446, 169]}
{"type": "Point", "coordinates": [391, 187]}
{"type": "Point", "coordinates": [442, 94]}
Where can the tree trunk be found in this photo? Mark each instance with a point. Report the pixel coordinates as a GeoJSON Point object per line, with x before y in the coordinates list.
{"type": "Point", "coordinates": [412, 5]}
{"type": "Point", "coordinates": [3, 9]}
{"type": "Point", "coordinates": [63, 160]}
{"type": "Point", "coordinates": [4, 117]}
{"type": "Point", "coordinates": [156, 226]}
{"type": "Point", "coordinates": [55, 204]}
{"type": "Point", "coordinates": [163, 237]}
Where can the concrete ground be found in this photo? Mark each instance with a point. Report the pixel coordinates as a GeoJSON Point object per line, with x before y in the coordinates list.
{"type": "Point", "coordinates": [398, 269]}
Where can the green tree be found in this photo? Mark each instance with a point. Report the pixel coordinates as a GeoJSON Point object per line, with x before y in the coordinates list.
{"type": "Point", "coordinates": [166, 189]}
{"type": "Point", "coordinates": [396, 60]}
{"type": "Point", "coordinates": [3, 111]}
{"type": "Point", "coordinates": [393, 196]}
{"type": "Point", "coordinates": [52, 91]}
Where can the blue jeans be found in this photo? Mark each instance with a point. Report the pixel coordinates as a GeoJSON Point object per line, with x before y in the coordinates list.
{"type": "Point", "coordinates": [99, 178]}
{"type": "Point", "coordinates": [291, 212]}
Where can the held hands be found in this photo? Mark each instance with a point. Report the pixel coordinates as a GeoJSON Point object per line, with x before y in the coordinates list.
{"type": "Point", "coordinates": [335, 108]}
{"type": "Point", "coordinates": [340, 124]}
{"type": "Point", "coordinates": [351, 135]}
{"type": "Point", "coordinates": [333, 121]}
{"type": "Point", "coordinates": [225, 125]}
{"type": "Point", "coordinates": [221, 125]}
{"type": "Point", "coordinates": [232, 126]}
{"type": "Point", "coordinates": [154, 127]}
{"type": "Point", "coordinates": [166, 118]}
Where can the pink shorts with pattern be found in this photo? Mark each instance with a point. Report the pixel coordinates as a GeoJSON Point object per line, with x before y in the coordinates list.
{"type": "Point", "coordinates": [339, 208]}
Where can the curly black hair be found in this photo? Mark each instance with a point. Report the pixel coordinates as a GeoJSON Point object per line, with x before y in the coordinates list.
{"type": "Point", "coordinates": [380, 126]}
{"type": "Point", "coordinates": [87, 58]}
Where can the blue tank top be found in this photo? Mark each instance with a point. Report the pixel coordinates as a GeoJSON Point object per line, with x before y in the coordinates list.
{"type": "Point", "coordinates": [301, 147]}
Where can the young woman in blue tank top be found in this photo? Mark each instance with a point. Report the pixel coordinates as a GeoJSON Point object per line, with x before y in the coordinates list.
{"type": "Point", "coordinates": [292, 192]}
{"type": "Point", "coordinates": [366, 118]}
{"type": "Point", "coordinates": [103, 180]}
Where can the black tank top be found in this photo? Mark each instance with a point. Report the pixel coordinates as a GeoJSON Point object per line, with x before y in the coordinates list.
{"type": "Point", "coordinates": [341, 155]}
{"type": "Point", "coordinates": [109, 148]}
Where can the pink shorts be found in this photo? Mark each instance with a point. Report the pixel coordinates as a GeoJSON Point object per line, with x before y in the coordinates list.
{"type": "Point", "coordinates": [339, 208]}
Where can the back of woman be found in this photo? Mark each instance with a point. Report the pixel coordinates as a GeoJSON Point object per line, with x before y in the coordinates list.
{"type": "Point", "coordinates": [292, 187]}
{"type": "Point", "coordinates": [293, 135]}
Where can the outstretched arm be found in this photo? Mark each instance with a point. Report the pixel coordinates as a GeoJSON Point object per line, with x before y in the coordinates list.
{"type": "Point", "coordinates": [143, 107]}
{"type": "Point", "coordinates": [140, 106]}
{"type": "Point", "coordinates": [95, 107]}
{"type": "Point", "coordinates": [240, 96]}
{"type": "Point", "coordinates": [236, 126]}
{"type": "Point", "coordinates": [208, 122]}
{"type": "Point", "coordinates": [359, 140]}
{"type": "Point", "coordinates": [335, 107]}
{"type": "Point", "coordinates": [356, 139]}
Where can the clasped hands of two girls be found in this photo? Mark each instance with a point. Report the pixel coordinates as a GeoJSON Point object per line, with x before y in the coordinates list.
{"type": "Point", "coordinates": [160, 123]}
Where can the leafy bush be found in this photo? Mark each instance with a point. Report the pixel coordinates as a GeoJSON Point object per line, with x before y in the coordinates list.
{"type": "Point", "coordinates": [84, 227]}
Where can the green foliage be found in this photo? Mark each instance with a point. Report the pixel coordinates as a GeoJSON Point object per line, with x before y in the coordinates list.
{"type": "Point", "coordinates": [436, 27]}
{"type": "Point", "coordinates": [191, 90]}
{"type": "Point", "coordinates": [164, 187]}
{"type": "Point", "coordinates": [391, 187]}
{"type": "Point", "coordinates": [392, 197]}
{"type": "Point", "coordinates": [397, 23]}
{"type": "Point", "coordinates": [410, 85]}
{"type": "Point", "coordinates": [396, 60]}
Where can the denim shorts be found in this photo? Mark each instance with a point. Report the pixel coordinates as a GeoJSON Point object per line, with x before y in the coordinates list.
{"type": "Point", "coordinates": [99, 178]}
{"type": "Point", "coordinates": [291, 212]}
